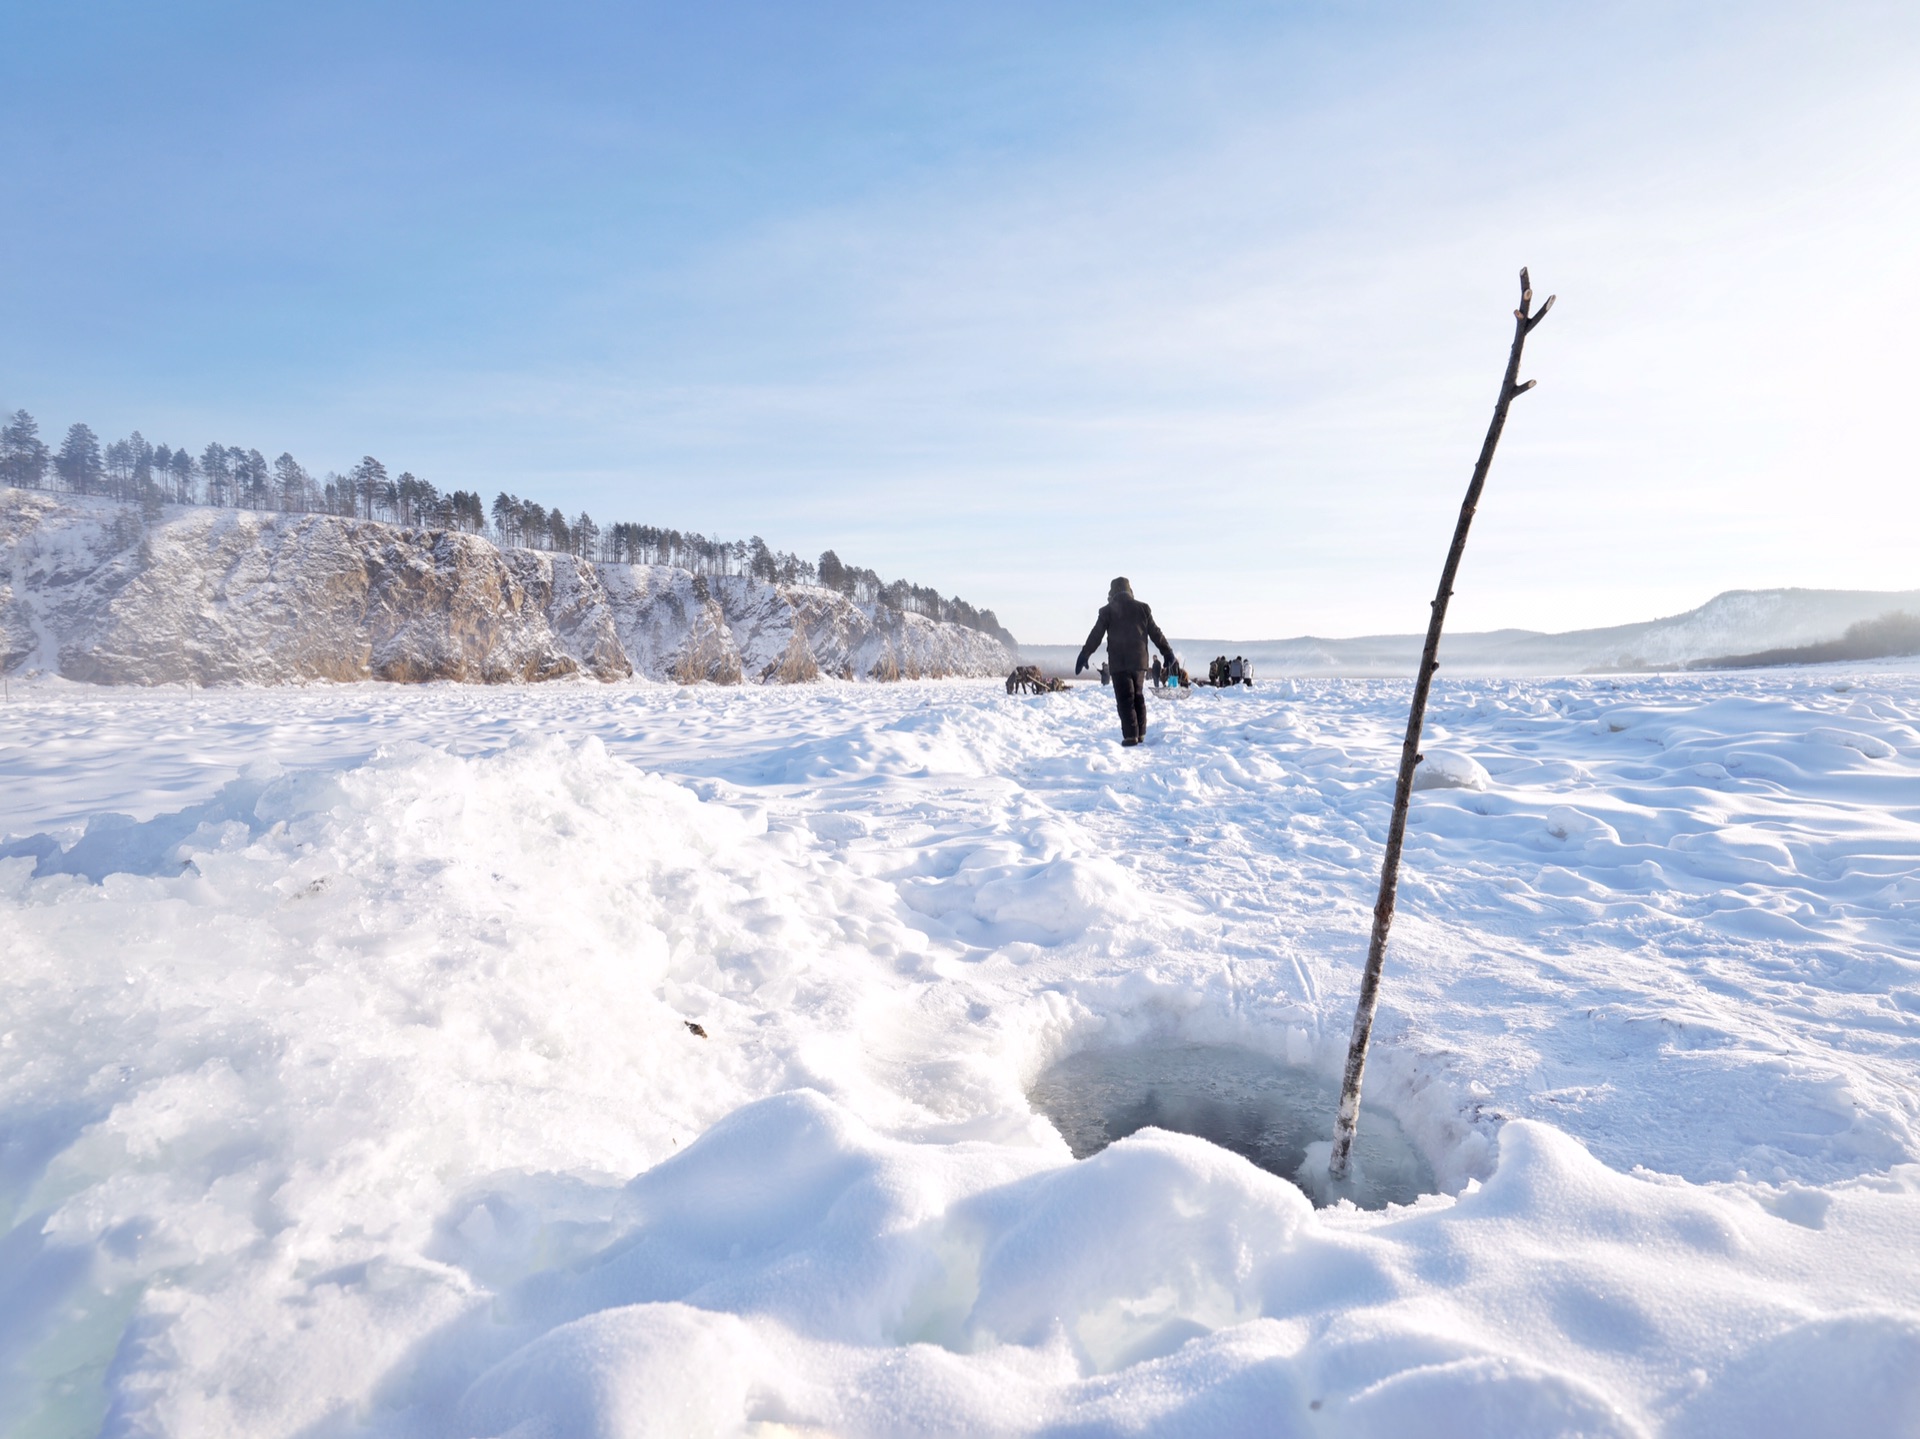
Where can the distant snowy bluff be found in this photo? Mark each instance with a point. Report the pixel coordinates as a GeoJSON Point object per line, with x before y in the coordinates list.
{"type": "Point", "coordinates": [95, 592]}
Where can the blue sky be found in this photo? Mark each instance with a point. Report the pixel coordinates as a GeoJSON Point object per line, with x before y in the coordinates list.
{"type": "Point", "coordinates": [1008, 298]}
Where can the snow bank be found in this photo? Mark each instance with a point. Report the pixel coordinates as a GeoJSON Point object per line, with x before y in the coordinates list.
{"type": "Point", "coordinates": [283, 1036]}
{"type": "Point", "coordinates": [349, 1089]}
{"type": "Point", "coordinates": [1163, 1286]}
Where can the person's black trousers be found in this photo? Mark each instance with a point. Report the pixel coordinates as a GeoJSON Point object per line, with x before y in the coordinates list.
{"type": "Point", "coordinates": [1130, 694]}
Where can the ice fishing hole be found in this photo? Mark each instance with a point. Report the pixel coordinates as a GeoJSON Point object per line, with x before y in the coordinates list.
{"type": "Point", "coordinates": [1258, 1107]}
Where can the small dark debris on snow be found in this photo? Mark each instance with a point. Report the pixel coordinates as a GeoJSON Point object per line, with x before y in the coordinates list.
{"type": "Point", "coordinates": [695, 1028]}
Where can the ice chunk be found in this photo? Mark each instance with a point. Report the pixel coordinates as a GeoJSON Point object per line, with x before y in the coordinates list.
{"type": "Point", "coordinates": [1449, 769]}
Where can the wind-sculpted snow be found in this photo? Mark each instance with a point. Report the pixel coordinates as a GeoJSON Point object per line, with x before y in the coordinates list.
{"type": "Point", "coordinates": [95, 592]}
{"type": "Point", "coordinates": [348, 1088]}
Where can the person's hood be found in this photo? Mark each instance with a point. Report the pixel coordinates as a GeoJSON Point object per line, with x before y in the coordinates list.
{"type": "Point", "coordinates": [1120, 587]}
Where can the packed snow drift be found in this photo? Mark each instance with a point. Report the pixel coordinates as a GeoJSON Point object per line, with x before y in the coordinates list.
{"type": "Point", "coordinates": [350, 1081]}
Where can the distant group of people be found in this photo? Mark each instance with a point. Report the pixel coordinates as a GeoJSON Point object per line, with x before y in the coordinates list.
{"type": "Point", "coordinates": [1235, 671]}
{"type": "Point", "coordinates": [1167, 675]}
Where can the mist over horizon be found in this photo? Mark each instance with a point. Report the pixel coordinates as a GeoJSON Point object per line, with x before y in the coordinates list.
{"type": "Point", "coordinates": [1734, 628]}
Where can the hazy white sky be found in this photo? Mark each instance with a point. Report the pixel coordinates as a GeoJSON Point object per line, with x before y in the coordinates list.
{"type": "Point", "coordinates": [1009, 299]}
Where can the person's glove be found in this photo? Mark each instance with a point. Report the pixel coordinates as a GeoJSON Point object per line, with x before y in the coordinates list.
{"type": "Point", "coordinates": [1080, 664]}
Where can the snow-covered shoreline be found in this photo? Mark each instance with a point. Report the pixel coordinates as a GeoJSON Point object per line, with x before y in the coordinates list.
{"type": "Point", "coordinates": [348, 1089]}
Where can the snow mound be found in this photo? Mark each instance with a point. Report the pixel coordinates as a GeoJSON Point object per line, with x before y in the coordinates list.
{"type": "Point", "coordinates": [1871, 746]}
{"type": "Point", "coordinates": [795, 1267]}
{"type": "Point", "coordinates": [1447, 769]}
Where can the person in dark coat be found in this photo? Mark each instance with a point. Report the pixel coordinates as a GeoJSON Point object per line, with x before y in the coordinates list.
{"type": "Point", "coordinates": [1127, 626]}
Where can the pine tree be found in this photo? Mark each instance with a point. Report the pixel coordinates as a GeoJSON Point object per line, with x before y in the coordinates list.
{"type": "Point", "coordinates": [217, 470]}
{"type": "Point", "coordinates": [119, 457]}
{"type": "Point", "coordinates": [292, 482]}
{"type": "Point", "coordinates": [832, 572]}
{"type": "Point", "coordinates": [237, 468]}
{"type": "Point", "coordinates": [434, 508]}
{"type": "Point", "coordinates": [409, 497]}
{"type": "Point", "coordinates": [142, 465]}
{"type": "Point", "coordinates": [369, 483]}
{"type": "Point", "coordinates": [254, 478]}
{"type": "Point", "coordinates": [23, 458]}
{"type": "Point", "coordinates": [181, 468]}
{"type": "Point", "coordinates": [79, 461]}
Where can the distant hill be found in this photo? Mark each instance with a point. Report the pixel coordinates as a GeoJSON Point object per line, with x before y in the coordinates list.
{"type": "Point", "coordinates": [1735, 627]}
{"type": "Point", "coordinates": [1895, 635]}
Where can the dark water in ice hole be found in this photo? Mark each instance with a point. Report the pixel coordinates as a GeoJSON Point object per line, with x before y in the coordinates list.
{"type": "Point", "coordinates": [1241, 1100]}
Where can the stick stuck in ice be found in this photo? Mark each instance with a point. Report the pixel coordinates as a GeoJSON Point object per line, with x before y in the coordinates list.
{"type": "Point", "coordinates": [1524, 319]}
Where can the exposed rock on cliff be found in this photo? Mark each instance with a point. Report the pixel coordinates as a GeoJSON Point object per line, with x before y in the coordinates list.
{"type": "Point", "coordinates": [675, 625]}
{"type": "Point", "coordinates": [96, 593]}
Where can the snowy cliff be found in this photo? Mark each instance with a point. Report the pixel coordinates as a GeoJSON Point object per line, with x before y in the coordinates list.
{"type": "Point", "coordinates": [95, 592]}
{"type": "Point", "coordinates": [677, 625]}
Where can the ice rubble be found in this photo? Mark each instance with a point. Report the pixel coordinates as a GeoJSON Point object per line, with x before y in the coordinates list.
{"type": "Point", "coordinates": [350, 1092]}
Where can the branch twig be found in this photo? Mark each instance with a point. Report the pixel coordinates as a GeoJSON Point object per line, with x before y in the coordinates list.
{"type": "Point", "coordinates": [1524, 319]}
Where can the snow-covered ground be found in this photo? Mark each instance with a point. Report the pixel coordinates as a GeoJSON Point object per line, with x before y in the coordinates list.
{"type": "Point", "coordinates": [347, 1088]}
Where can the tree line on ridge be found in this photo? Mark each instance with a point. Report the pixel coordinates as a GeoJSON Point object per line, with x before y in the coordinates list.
{"type": "Point", "coordinates": [135, 471]}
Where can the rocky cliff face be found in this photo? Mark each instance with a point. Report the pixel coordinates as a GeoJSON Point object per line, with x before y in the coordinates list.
{"type": "Point", "coordinates": [675, 625]}
{"type": "Point", "coordinates": [94, 592]}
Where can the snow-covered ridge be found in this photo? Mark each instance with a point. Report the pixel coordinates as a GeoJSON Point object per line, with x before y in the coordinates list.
{"type": "Point", "coordinates": [96, 592]}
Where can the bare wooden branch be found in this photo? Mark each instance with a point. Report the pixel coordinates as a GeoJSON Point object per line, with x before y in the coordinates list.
{"type": "Point", "coordinates": [1349, 1114]}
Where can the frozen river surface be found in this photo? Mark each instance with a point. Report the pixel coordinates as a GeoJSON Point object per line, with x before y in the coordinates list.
{"type": "Point", "coordinates": [347, 1085]}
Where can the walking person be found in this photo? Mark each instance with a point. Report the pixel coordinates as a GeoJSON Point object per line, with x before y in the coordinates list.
{"type": "Point", "coordinates": [1127, 625]}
